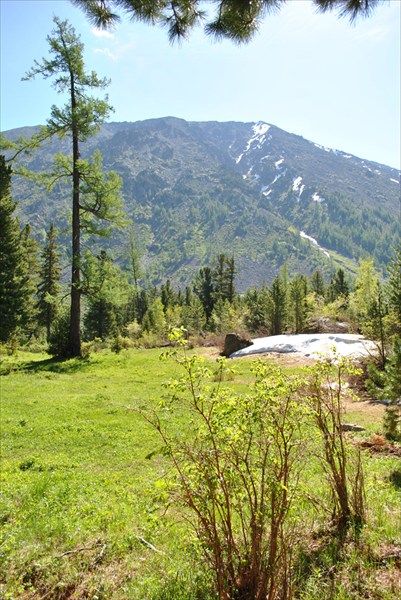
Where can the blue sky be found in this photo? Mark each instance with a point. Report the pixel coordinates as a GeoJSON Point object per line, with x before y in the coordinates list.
{"type": "Point", "coordinates": [311, 74]}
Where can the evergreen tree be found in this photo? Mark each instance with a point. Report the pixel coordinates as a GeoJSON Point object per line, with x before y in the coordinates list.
{"type": "Point", "coordinates": [298, 305]}
{"type": "Point", "coordinates": [30, 264]}
{"type": "Point", "coordinates": [204, 289]}
{"type": "Point", "coordinates": [223, 275]}
{"type": "Point", "coordinates": [168, 295]}
{"type": "Point", "coordinates": [279, 308]}
{"type": "Point", "coordinates": [394, 284]}
{"type": "Point", "coordinates": [108, 293]}
{"type": "Point", "coordinates": [12, 291]}
{"type": "Point", "coordinates": [49, 283]}
{"type": "Point", "coordinates": [237, 20]}
{"type": "Point", "coordinates": [338, 287]}
{"type": "Point", "coordinates": [317, 284]}
{"type": "Point", "coordinates": [135, 266]}
{"type": "Point", "coordinates": [94, 195]}
{"type": "Point", "coordinates": [259, 309]}
{"type": "Point", "coordinates": [193, 316]}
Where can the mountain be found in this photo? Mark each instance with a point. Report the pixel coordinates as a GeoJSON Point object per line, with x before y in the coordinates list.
{"type": "Point", "coordinates": [194, 190]}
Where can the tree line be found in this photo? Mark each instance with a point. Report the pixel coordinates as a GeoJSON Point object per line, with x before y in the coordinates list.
{"type": "Point", "coordinates": [35, 302]}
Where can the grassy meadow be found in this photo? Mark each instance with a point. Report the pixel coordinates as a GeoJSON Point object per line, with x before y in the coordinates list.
{"type": "Point", "coordinates": [84, 510]}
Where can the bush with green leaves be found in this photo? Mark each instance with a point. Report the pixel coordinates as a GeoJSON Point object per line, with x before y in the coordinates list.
{"type": "Point", "coordinates": [237, 473]}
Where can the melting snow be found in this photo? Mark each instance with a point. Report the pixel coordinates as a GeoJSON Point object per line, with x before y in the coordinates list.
{"type": "Point", "coordinates": [317, 198]}
{"type": "Point", "coordinates": [278, 163]}
{"type": "Point", "coordinates": [395, 180]}
{"type": "Point", "coordinates": [296, 184]}
{"type": "Point", "coordinates": [313, 345]}
{"type": "Point", "coordinates": [259, 136]}
{"type": "Point", "coordinates": [278, 177]}
{"type": "Point", "coordinates": [314, 242]}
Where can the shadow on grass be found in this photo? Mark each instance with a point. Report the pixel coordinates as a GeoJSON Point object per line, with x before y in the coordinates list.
{"type": "Point", "coordinates": [395, 478]}
{"type": "Point", "coordinates": [56, 365]}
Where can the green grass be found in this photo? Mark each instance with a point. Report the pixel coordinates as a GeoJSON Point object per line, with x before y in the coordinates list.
{"type": "Point", "coordinates": [79, 493]}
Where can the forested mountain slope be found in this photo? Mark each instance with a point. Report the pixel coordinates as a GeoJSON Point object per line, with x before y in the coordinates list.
{"type": "Point", "coordinates": [252, 190]}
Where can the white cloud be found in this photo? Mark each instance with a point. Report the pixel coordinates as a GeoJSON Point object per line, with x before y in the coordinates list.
{"type": "Point", "coordinates": [107, 52]}
{"type": "Point", "coordinates": [102, 33]}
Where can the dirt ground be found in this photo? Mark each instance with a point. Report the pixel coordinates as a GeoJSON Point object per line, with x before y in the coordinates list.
{"type": "Point", "coordinates": [362, 410]}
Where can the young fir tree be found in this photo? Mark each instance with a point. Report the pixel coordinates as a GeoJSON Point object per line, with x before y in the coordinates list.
{"type": "Point", "coordinates": [94, 195]}
{"type": "Point", "coordinates": [108, 293]}
{"type": "Point", "coordinates": [12, 291]}
{"type": "Point", "coordinates": [49, 283]}
{"type": "Point", "coordinates": [338, 287]}
{"type": "Point", "coordinates": [317, 284]}
{"type": "Point", "coordinates": [278, 306]}
{"type": "Point", "coordinates": [298, 291]}
{"type": "Point", "coordinates": [204, 289]}
{"type": "Point", "coordinates": [223, 275]}
{"type": "Point", "coordinates": [30, 265]}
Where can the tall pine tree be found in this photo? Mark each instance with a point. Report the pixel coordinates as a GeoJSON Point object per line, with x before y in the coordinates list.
{"type": "Point", "coordinates": [94, 195]}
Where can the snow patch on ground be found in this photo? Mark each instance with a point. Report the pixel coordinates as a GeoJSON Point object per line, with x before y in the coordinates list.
{"type": "Point", "coordinates": [278, 163]}
{"type": "Point", "coordinates": [313, 345]}
{"type": "Point", "coordinates": [395, 180]}
{"type": "Point", "coordinates": [314, 242]}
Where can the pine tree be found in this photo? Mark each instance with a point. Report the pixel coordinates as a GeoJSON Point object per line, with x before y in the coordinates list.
{"type": "Point", "coordinates": [108, 294]}
{"type": "Point", "coordinates": [279, 308]}
{"type": "Point", "coordinates": [298, 305]}
{"type": "Point", "coordinates": [223, 275]}
{"type": "Point", "coordinates": [237, 20]}
{"type": "Point", "coordinates": [49, 283]}
{"type": "Point", "coordinates": [338, 287]}
{"type": "Point", "coordinates": [30, 265]}
{"type": "Point", "coordinates": [317, 284]}
{"type": "Point", "coordinates": [394, 284]}
{"type": "Point", "coordinates": [12, 291]}
{"type": "Point", "coordinates": [204, 289]}
{"type": "Point", "coordinates": [94, 195]}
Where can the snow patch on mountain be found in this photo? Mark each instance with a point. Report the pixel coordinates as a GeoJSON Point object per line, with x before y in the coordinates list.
{"type": "Point", "coordinates": [278, 163]}
{"type": "Point", "coordinates": [395, 180]}
{"type": "Point", "coordinates": [258, 138]}
{"type": "Point", "coordinates": [296, 183]}
{"type": "Point", "coordinates": [317, 198]}
{"type": "Point", "coordinates": [314, 242]}
{"type": "Point", "coordinates": [326, 149]}
{"type": "Point", "coordinates": [277, 177]}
